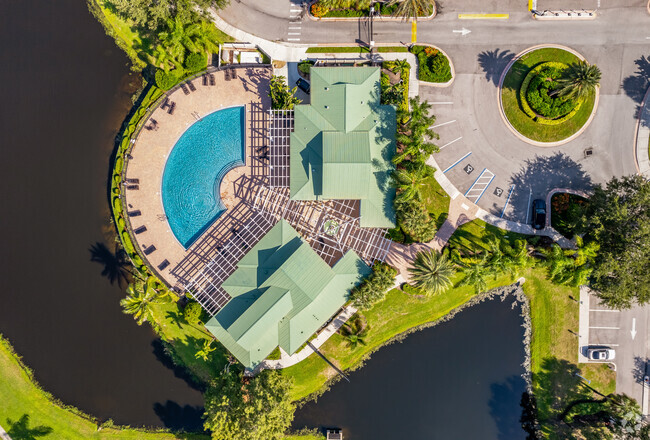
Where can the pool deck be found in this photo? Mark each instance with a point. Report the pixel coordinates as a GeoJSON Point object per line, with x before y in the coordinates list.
{"type": "Point", "coordinates": [152, 147]}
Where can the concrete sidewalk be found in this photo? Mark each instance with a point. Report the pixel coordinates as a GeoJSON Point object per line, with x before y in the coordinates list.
{"type": "Point", "coordinates": [4, 435]}
{"type": "Point", "coordinates": [643, 137]}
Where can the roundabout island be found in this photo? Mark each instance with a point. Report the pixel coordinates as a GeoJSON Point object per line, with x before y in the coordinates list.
{"type": "Point", "coordinates": [543, 96]}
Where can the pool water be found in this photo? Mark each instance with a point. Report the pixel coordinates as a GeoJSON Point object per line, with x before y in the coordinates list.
{"type": "Point", "coordinates": [198, 162]}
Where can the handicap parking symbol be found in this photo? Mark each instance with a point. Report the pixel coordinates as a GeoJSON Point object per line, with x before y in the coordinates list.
{"type": "Point", "coordinates": [468, 169]}
{"type": "Point", "coordinates": [498, 191]}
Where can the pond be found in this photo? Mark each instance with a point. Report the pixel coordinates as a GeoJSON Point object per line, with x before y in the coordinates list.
{"type": "Point", "coordinates": [459, 380]}
{"type": "Point", "coordinates": [67, 89]}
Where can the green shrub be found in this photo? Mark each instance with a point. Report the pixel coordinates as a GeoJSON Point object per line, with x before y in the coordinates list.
{"type": "Point", "coordinates": [166, 80]}
{"type": "Point", "coordinates": [539, 94]}
{"type": "Point", "coordinates": [433, 65]}
{"type": "Point", "coordinates": [119, 163]}
{"type": "Point", "coordinates": [305, 66]}
{"type": "Point", "coordinates": [192, 312]}
{"type": "Point", "coordinates": [373, 289]}
{"type": "Point", "coordinates": [117, 204]}
{"type": "Point", "coordinates": [195, 62]}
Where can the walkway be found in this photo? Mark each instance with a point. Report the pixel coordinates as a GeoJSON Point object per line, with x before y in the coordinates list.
{"type": "Point", "coordinates": [4, 435]}
{"type": "Point", "coordinates": [643, 137]}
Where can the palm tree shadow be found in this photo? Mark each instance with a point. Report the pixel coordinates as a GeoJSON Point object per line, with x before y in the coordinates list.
{"type": "Point", "coordinates": [639, 371]}
{"type": "Point", "coordinates": [635, 86]}
{"type": "Point", "coordinates": [494, 63]}
{"type": "Point", "coordinates": [20, 430]}
{"type": "Point", "coordinates": [116, 265]}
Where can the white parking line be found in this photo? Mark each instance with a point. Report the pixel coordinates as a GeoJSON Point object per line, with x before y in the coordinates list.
{"type": "Point", "coordinates": [449, 143]}
{"type": "Point", "coordinates": [457, 162]}
{"type": "Point", "coordinates": [480, 185]}
{"type": "Point", "coordinates": [294, 33]}
{"type": "Point", "coordinates": [603, 310]}
{"type": "Point", "coordinates": [603, 343]}
{"type": "Point", "coordinates": [606, 328]}
{"type": "Point", "coordinates": [295, 27]}
{"type": "Point", "coordinates": [293, 39]}
{"type": "Point", "coordinates": [439, 125]}
{"type": "Point", "coordinates": [442, 102]}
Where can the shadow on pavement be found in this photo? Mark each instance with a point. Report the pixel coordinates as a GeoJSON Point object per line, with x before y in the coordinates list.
{"type": "Point", "coordinates": [541, 174]}
{"type": "Point", "coordinates": [636, 85]}
{"type": "Point", "coordinates": [493, 63]}
{"type": "Point", "coordinates": [639, 371]}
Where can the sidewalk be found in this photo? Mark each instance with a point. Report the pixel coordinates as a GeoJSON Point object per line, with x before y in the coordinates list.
{"type": "Point", "coordinates": [643, 137]}
{"type": "Point", "coordinates": [4, 435]}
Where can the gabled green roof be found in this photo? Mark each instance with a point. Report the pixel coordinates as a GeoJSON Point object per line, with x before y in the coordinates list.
{"type": "Point", "coordinates": [282, 292]}
{"type": "Point", "coordinates": [343, 142]}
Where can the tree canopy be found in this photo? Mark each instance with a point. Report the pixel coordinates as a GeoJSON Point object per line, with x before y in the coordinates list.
{"type": "Point", "coordinates": [617, 218]}
{"type": "Point", "coordinates": [248, 409]}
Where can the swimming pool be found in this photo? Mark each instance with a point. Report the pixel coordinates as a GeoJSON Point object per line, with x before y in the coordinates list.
{"type": "Point", "coordinates": [202, 156]}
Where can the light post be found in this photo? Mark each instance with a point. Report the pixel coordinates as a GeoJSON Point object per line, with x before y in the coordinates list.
{"type": "Point", "coordinates": [372, 13]}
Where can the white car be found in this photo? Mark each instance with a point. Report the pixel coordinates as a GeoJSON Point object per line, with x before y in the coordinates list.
{"type": "Point", "coordinates": [601, 354]}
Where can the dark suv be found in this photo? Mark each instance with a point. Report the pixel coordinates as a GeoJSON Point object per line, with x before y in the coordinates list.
{"type": "Point", "coordinates": [539, 214]}
{"type": "Point", "coordinates": [303, 85]}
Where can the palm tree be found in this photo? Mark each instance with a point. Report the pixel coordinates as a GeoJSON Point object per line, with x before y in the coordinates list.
{"type": "Point", "coordinates": [432, 272]}
{"type": "Point", "coordinates": [578, 80]}
{"type": "Point", "coordinates": [141, 295]}
{"type": "Point", "coordinates": [409, 181]}
{"type": "Point", "coordinates": [476, 275]}
{"type": "Point", "coordinates": [411, 9]}
{"type": "Point", "coordinates": [161, 57]}
{"type": "Point", "coordinates": [205, 351]}
{"type": "Point", "coordinates": [355, 330]}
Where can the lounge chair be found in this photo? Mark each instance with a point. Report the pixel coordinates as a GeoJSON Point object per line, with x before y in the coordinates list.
{"type": "Point", "coordinates": [212, 81]}
{"type": "Point", "coordinates": [165, 103]}
{"type": "Point", "coordinates": [227, 74]}
{"type": "Point", "coordinates": [233, 74]}
{"type": "Point", "coordinates": [134, 181]}
{"type": "Point", "coordinates": [171, 109]}
{"type": "Point", "coordinates": [184, 87]}
{"type": "Point", "coordinates": [133, 187]}
{"type": "Point", "coordinates": [149, 250]}
{"type": "Point", "coordinates": [135, 213]}
{"type": "Point", "coordinates": [191, 86]}
{"type": "Point", "coordinates": [163, 265]}
{"type": "Point", "coordinates": [140, 230]}
{"type": "Point", "coordinates": [204, 78]}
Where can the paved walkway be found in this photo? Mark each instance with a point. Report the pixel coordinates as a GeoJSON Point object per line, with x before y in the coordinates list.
{"type": "Point", "coordinates": [4, 435]}
{"type": "Point", "coordinates": [643, 137]}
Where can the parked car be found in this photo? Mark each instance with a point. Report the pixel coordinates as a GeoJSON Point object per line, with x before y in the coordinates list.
{"type": "Point", "coordinates": [601, 354]}
{"type": "Point", "coordinates": [539, 214]}
{"type": "Point", "coordinates": [303, 85]}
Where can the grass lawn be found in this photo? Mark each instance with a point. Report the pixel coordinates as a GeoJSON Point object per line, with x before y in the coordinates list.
{"type": "Point", "coordinates": [186, 339]}
{"type": "Point", "coordinates": [347, 49]}
{"type": "Point", "coordinates": [436, 200]}
{"type": "Point", "coordinates": [475, 234]}
{"type": "Point", "coordinates": [512, 106]}
{"type": "Point", "coordinates": [554, 351]}
{"type": "Point", "coordinates": [21, 396]}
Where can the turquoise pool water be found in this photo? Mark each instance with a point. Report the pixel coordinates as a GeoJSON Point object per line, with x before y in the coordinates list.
{"type": "Point", "coordinates": [198, 162]}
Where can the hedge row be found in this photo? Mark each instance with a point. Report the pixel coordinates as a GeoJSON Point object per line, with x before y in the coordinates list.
{"type": "Point", "coordinates": [524, 102]}
{"type": "Point", "coordinates": [150, 98]}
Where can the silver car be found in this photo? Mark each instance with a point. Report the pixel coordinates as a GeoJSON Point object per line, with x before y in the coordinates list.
{"type": "Point", "coordinates": [601, 354]}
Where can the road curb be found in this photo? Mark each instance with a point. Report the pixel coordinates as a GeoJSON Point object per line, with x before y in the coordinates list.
{"type": "Point", "coordinates": [507, 121]}
{"type": "Point", "coordinates": [451, 67]}
{"type": "Point", "coordinates": [566, 15]}
{"type": "Point", "coordinates": [554, 191]}
{"type": "Point", "coordinates": [641, 150]}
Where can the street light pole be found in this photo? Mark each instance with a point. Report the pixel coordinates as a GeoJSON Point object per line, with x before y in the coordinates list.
{"type": "Point", "coordinates": [372, 12]}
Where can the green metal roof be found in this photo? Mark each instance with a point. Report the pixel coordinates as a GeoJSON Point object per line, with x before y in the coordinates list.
{"type": "Point", "coordinates": [282, 292]}
{"type": "Point", "coordinates": [343, 142]}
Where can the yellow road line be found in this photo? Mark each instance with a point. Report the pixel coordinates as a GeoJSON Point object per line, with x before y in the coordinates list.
{"type": "Point", "coordinates": [414, 31]}
{"type": "Point", "coordinates": [484, 16]}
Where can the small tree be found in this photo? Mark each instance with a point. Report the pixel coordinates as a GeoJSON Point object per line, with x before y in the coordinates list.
{"type": "Point", "coordinates": [355, 331]}
{"type": "Point", "coordinates": [205, 351]}
{"type": "Point", "coordinates": [432, 272]}
{"type": "Point", "coordinates": [373, 289]}
{"type": "Point", "coordinates": [192, 312]}
{"type": "Point", "coordinates": [282, 98]}
{"type": "Point", "coordinates": [141, 295]}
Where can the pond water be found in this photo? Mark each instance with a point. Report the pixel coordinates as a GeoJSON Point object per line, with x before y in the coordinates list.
{"type": "Point", "coordinates": [459, 380]}
{"type": "Point", "coordinates": [66, 90]}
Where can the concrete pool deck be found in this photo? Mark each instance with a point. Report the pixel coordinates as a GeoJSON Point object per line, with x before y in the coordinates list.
{"type": "Point", "coordinates": [152, 147]}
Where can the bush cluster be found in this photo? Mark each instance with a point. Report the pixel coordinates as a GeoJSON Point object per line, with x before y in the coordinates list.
{"type": "Point", "coordinates": [539, 94]}
{"type": "Point", "coordinates": [166, 80]}
{"type": "Point", "coordinates": [396, 94]}
{"type": "Point", "coordinates": [195, 62]}
{"type": "Point", "coordinates": [318, 10]}
{"type": "Point", "coordinates": [433, 65]}
{"type": "Point", "coordinates": [373, 289]}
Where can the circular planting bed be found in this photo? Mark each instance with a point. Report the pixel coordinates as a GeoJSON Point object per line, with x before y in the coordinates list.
{"type": "Point", "coordinates": [531, 100]}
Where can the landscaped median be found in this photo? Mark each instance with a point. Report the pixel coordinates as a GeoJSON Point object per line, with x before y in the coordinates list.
{"type": "Point", "coordinates": [531, 102]}
{"type": "Point", "coordinates": [344, 10]}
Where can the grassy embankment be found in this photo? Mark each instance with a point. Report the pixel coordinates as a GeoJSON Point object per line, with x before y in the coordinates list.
{"type": "Point", "coordinates": [22, 396]}
{"type": "Point", "coordinates": [512, 106]}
